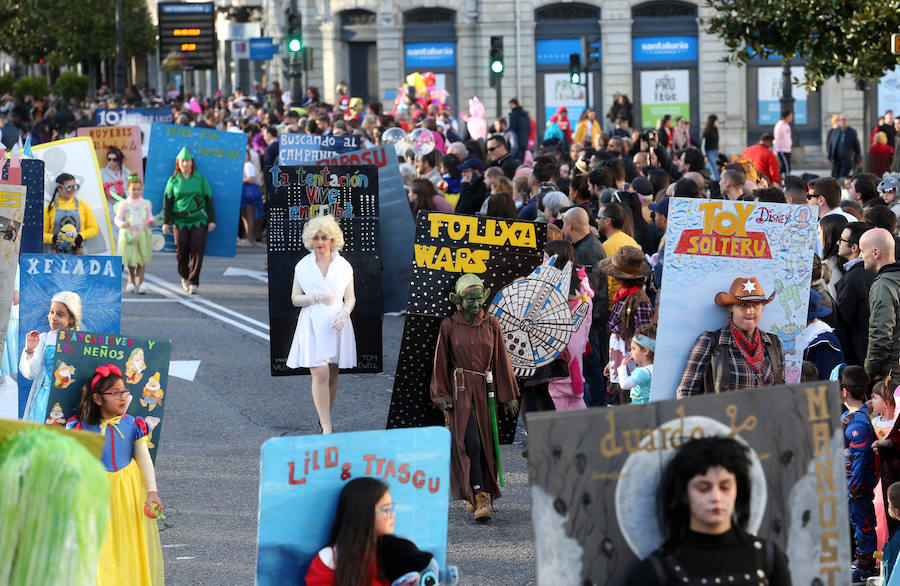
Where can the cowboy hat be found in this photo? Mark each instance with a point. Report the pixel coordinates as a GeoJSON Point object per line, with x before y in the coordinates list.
{"type": "Point", "coordinates": [628, 263]}
{"type": "Point", "coordinates": [744, 290]}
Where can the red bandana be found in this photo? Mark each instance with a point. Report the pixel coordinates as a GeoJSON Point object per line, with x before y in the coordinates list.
{"type": "Point", "coordinates": [624, 292]}
{"type": "Point", "coordinates": [751, 347]}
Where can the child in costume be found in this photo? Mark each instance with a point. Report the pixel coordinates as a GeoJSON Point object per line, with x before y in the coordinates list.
{"type": "Point", "coordinates": [643, 347]}
{"type": "Point", "coordinates": [36, 362]}
{"type": "Point", "coordinates": [861, 472]}
{"type": "Point", "coordinates": [68, 222]}
{"type": "Point", "coordinates": [892, 548]}
{"type": "Point", "coordinates": [131, 552]}
{"type": "Point", "coordinates": [883, 411]}
{"type": "Point", "coordinates": [363, 550]}
{"type": "Point", "coordinates": [631, 309]}
{"type": "Point", "coordinates": [134, 216]}
{"type": "Point", "coordinates": [470, 344]}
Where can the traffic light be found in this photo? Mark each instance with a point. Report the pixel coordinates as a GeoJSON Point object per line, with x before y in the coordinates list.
{"type": "Point", "coordinates": [575, 68]}
{"type": "Point", "coordinates": [497, 56]}
{"type": "Point", "coordinates": [590, 51]}
{"type": "Point", "coordinates": [895, 43]}
{"type": "Point", "coordinates": [294, 34]}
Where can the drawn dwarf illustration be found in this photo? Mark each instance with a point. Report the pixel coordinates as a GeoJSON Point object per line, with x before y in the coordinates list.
{"type": "Point", "coordinates": [56, 416]}
{"type": "Point", "coordinates": [135, 366]}
{"type": "Point", "coordinates": [153, 393]}
{"type": "Point", "coordinates": [152, 422]}
{"type": "Point", "coordinates": [63, 376]}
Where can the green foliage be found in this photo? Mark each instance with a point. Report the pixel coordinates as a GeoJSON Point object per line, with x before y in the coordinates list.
{"type": "Point", "coordinates": [31, 85]}
{"type": "Point", "coordinates": [834, 38]}
{"type": "Point", "coordinates": [67, 32]}
{"type": "Point", "coordinates": [71, 85]}
{"type": "Point", "coordinates": [6, 83]}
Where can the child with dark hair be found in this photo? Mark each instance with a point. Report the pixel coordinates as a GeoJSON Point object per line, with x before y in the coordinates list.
{"type": "Point", "coordinates": [859, 435]}
{"type": "Point", "coordinates": [892, 547]}
{"type": "Point", "coordinates": [704, 507]}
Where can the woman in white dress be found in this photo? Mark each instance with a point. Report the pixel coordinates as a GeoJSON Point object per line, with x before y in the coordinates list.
{"type": "Point", "coordinates": [323, 288]}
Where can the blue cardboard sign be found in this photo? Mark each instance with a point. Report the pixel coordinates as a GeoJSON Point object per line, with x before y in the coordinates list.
{"type": "Point", "coordinates": [301, 478]}
{"type": "Point", "coordinates": [262, 48]}
{"type": "Point", "coordinates": [218, 156]}
{"type": "Point", "coordinates": [659, 49]}
{"type": "Point", "coordinates": [143, 117]}
{"type": "Point", "coordinates": [429, 55]}
{"type": "Point", "coordinates": [96, 279]}
{"type": "Point", "coordinates": [395, 221]}
{"type": "Point", "coordinates": [305, 149]}
{"type": "Point", "coordinates": [556, 51]}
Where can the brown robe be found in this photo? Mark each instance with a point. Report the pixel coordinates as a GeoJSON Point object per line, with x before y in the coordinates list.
{"type": "Point", "coordinates": [476, 347]}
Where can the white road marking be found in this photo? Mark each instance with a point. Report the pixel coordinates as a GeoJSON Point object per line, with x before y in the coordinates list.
{"type": "Point", "coordinates": [165, 289]}
{"type": "Point", "coordinates": [185, 557]}
{"type": "Point", "coordinates": [186, 369]}
{"type": "Point", "coordinates": [236, 272]}
{"type": "Point", "coordinates": [176, 545]}
{"type": "Point", "coordinates": [145, 300]}
{"type": "Point", "coordinates": [179, 294]}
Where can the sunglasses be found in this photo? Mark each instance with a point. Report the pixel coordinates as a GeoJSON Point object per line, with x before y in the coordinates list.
{"type": "Point", "coordinates": [810, 196]}
{"type": "Point", "coordinates": [492, 149]}
{"type": "Point", "coordinates": [112, 159]}
{"type": "Point", "coordinates": [70, 188]}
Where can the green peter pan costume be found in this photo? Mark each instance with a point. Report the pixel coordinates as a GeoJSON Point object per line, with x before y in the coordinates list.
{"type": "Point", "coordinates": [188, 205]}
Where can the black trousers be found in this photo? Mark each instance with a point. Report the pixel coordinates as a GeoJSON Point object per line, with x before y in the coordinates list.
{"type": "Point", "coordinates": [190, 246]}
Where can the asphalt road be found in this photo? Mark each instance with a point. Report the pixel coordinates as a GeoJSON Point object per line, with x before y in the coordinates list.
{"type": "Point", "coordinates": [208, 461]}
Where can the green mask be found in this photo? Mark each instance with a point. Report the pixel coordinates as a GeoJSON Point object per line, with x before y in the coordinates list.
{"type": "Point", "coordinates": [470, 301]}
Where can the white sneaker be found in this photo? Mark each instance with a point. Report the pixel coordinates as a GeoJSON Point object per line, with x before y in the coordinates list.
{"type": "Point", "coordinates": [140, 289]}
{"type": "Point", "coordinates": [244, 243]}
{"type": "Point", "coordinates": [129, 288]}
{"type": "Point", "coordinates": [185, 285]}
{"type": "Point", "coordinates": [194, 289]}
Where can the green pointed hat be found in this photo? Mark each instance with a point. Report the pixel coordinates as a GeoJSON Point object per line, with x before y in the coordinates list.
{"type": "Point", "coordinates": [184, 153]}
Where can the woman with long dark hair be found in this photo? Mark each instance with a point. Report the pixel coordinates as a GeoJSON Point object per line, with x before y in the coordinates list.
{"type": "Point", "coordinates": [709, 144]}
{"type": "Point", "coordinates": [704, 509]}
{"type": "Point", "coordinates": [646, 236]}
{"type": "Point", "coordinates": [423, 196]}
{"type": "Point", "coordinates": [830, 229]}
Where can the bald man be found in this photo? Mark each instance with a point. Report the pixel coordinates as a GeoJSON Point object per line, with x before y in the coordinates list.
{"type": "Point", "coordinates": [876, 248]}
{"type": "Point", "coordinates": [588, 252]}
{"type": "Point", "coordinates": [700, 180]}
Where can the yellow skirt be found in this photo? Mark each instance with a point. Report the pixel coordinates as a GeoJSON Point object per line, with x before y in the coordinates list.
{"type": "Point", "coordinates": [131, 553]}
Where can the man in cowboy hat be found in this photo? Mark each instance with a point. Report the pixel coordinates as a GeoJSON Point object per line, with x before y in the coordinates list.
{"type": "Point", "coordinates": [739, 355]}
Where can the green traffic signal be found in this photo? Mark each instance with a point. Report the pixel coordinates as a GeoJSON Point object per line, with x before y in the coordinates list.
{"type": "Point", "coordinates": [497, 66]}
{"type": "Point", "coordinates": [294, 45]}
{"type": "Point", "coordinates": [576, 78]}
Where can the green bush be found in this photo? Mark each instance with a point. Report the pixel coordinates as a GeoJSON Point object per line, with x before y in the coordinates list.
{"type": "Point", "coordinates": [6, 83]}
{"type": "Point", "coordinates": [71, 85]}
{"type": "Point", "coordinates": [33, 85]}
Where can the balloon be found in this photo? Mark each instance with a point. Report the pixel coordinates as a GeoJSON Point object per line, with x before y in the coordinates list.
{"type": "Point", "coordinates": [422, 141]}
{"type": "Point", "coordinates": [392, 135]}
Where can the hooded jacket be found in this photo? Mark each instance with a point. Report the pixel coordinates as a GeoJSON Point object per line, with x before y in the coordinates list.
{"type": "Point", "coordinates": [884, 322]}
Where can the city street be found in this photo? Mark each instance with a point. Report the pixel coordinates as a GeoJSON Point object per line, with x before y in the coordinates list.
{"type": "Point", "coordinates": [208, 463]}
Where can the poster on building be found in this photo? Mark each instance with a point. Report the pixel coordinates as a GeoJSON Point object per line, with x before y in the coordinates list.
{"type": "Point", "coordinates": [560, 91]}
{"type": "Point", "coordinates": [113, 171]}
{"type": "Point", "coordinates": [889, 93]}
{"type": "Point", "coordinates": [665, 91]}
{"type": "Point", "coordinates": [769, 90]}
{"type": "Point", "coordinates": [30, 174]}
{"type": "Point", "coordinates": [395, 221]}
{"type": "Point", "coordinates": [350, 195]}
{"type": "Point", "coordinates": [144, 363]}
{"type": "Point", "coordinates": [499, 251]}
{"type": "Point", "coordinates": [305, 149]}
{"type": "Point", "coordinates": [76, 157]}
{"type": "Point", "coordinates": [218, 156]}
{"type": "Point", "coordinates": [709, 244]}
{"type": "Point", "coordinates": [12, 214]}
{"type": "Point", "coordinates": [297, 471]}
{"type": "Point", "coordinates": [142, 117]}
{"type": "Point", "coordinates": [97, 280]}
{"type": "Point", "coordinates": [594, 476]}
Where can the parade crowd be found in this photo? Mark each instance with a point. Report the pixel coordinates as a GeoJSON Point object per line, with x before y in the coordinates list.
{"type": "Point", "coordinates": [603, 188]}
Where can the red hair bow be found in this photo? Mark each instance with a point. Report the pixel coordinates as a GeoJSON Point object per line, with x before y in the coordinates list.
{"type": "Point", "coordinates": [103, 372]}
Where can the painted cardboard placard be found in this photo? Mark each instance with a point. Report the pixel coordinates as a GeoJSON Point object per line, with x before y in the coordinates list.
{"type": "Point", "coordinates": [769, 90]}
{"type": "Point", "coordinates": [218, 156]}
{"type": "Point", "coordinates": [594, 476]}
{"type": "Point", "coordinates": [664, 92]}
{"type": "Point", "coordinates": [144, 363]}
{"type": "Point", "coordinates": [711, 243]}
{"type": "Point", "coordinates": [76, 157]}
{"type": "Point", "coordinates": [142, 117]}
{"type": "Point", "coordinates": [448, 245]}
{"type": "Point", "coordinates": [350, 195]}
{"type": "Point", "coordinates": [30, 173]}
{"type": "Point", "coordinates": [93, 442]}
{"type": "Point", "coordinates": [306, 149]}
{"type": "Point", "coordinates": [396, 226]}
{"type": "Point", "coordinates": [128, 140]}
{"type": "Point", "coordinates": [297, 471]}
{"type": "Point", "coordinates": [96, 279]}
{"type": "Point", "coordinates": [12, 214]}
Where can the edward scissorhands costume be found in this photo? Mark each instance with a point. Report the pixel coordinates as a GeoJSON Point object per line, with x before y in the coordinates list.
{"type": "Point", "coordinates": [470, 344]}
